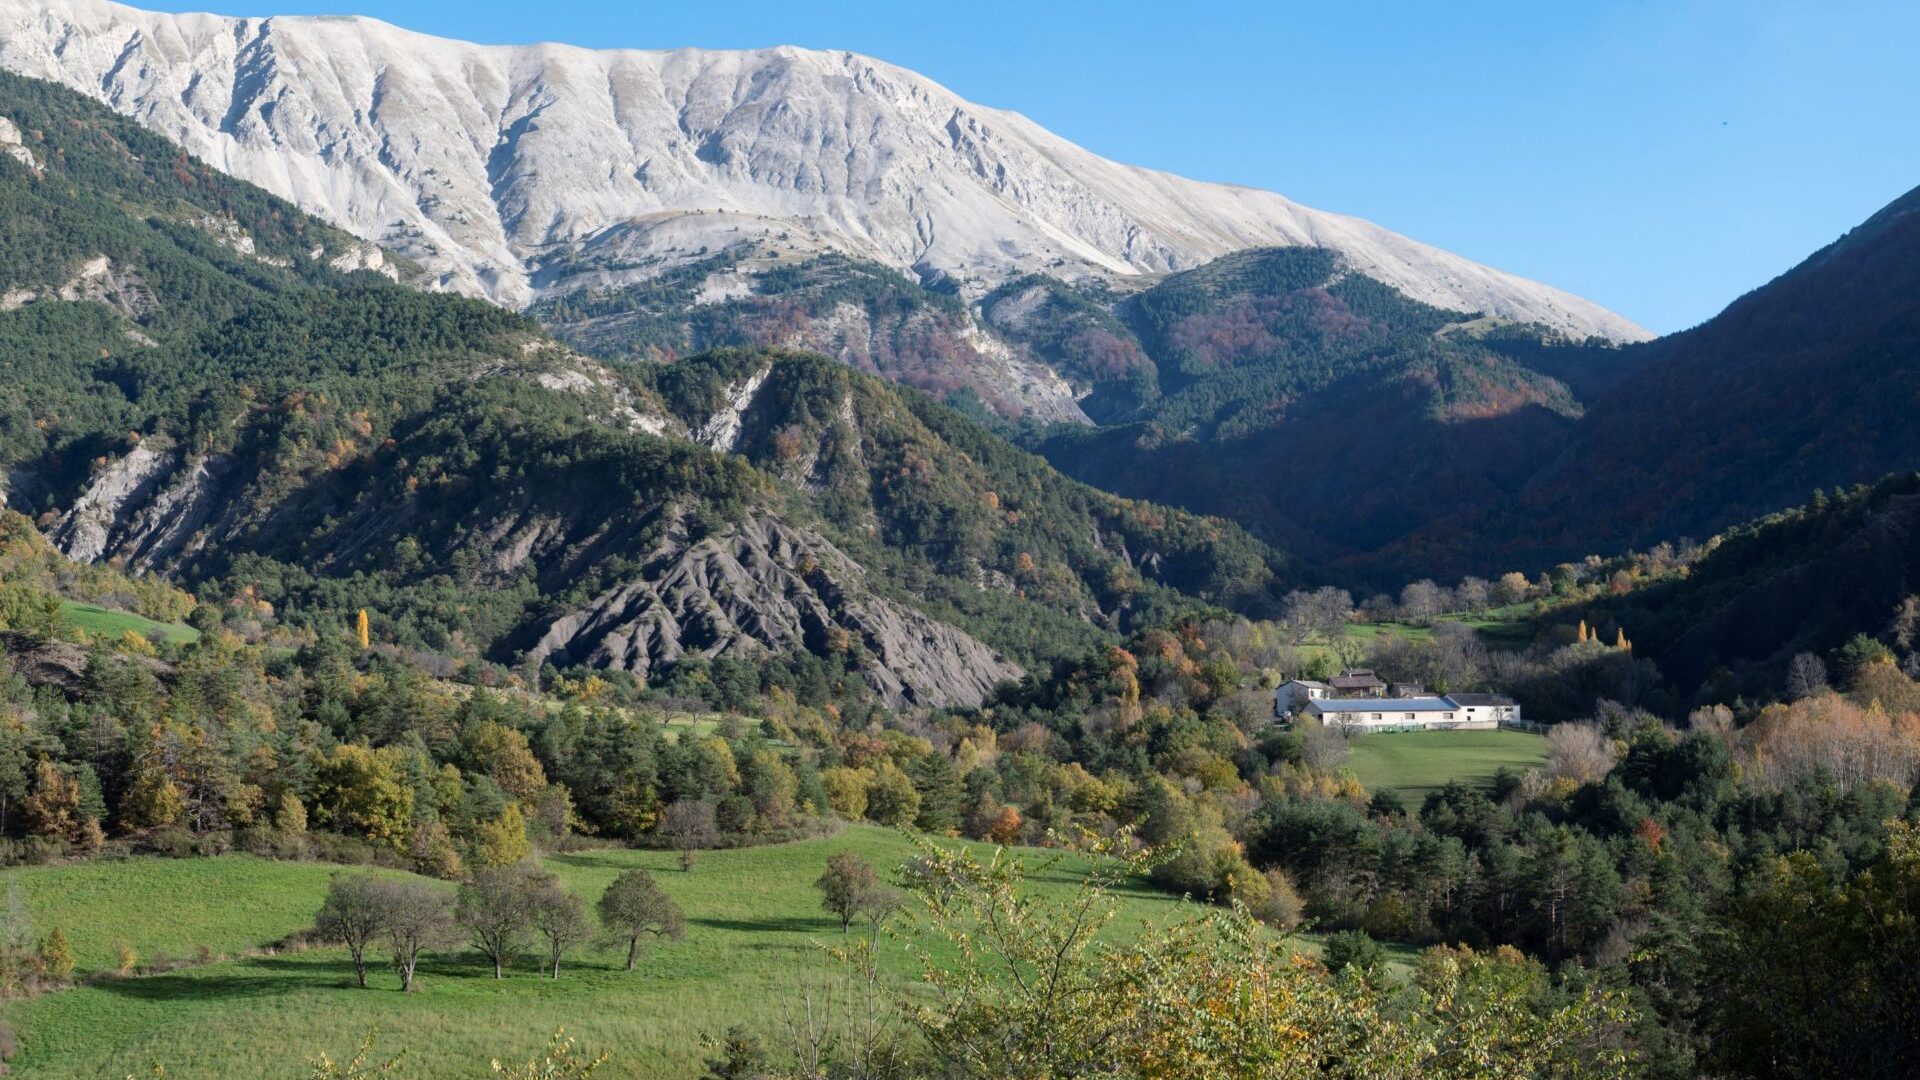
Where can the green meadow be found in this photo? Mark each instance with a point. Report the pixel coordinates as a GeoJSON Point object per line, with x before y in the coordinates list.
{"type": "Point", "coordinates": [103, 622]}
{"type": "Point", "coordinates": [755, 933]}
{"type": "Point", "coordinates": [1417, 762]}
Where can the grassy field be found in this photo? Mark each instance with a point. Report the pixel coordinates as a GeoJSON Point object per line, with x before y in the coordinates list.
{"type": "Point", "coordinates": [755, 931]}
{"type": "Point", "coordinates": [102, 622]}
{"type": "Point", "coordinates": [1501, 628]}
{"type": "Point", "coordinates": [1417, 762]}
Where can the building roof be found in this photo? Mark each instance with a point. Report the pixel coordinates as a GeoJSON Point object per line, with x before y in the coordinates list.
{"type": "Point", "coordinates": [1482, 699]}
{"type": "Point", "coordinates": [1385, 705]}
{"type": "Point", "coordinates": [1348, 679]}
{"type": "Point", "coordinates": [1307, 682]}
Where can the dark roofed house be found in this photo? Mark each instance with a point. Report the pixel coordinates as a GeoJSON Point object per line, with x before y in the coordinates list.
{"type": "Point", "coordinates": [1357, 682]}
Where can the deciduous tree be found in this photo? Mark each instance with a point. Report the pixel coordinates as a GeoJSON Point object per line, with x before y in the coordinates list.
{"type": "Point", "coordinates": [635, 906]}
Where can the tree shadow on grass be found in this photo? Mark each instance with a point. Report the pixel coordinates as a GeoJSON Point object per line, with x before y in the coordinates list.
{"type": "Point", "coordinates": [788, 924]}
{"type": "Point", "coordinates": [599, 860]}
{"type": "Point", "coordinates": [181, 986]}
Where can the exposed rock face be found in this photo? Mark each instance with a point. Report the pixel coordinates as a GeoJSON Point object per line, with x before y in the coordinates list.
{"type": "Point", "coordinates": [100, 281]}
{"type": "Point", "coordinates": [722, 430]}
{"type": "Point", "coordinates": [765, 586]}
{"type": "Point", "coordinates": [146, 509]}
{"type": "Point", "coordinates": [98, 516]}
{"type": "Point", "coordinates": [511, 170]}
{"type": "Point", "coordinates": [13, 145]}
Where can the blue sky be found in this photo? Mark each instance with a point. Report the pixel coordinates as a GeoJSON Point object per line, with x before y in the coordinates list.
{"type": "Point", "coordinates": [1660, 158]}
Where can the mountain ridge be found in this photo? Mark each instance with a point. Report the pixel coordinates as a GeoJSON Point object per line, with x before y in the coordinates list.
{"type": "Point", "coordinates": [666, 153]}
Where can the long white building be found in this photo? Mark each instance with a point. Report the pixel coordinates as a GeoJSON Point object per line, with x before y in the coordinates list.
{"type": "Point", "coordinates": [1461, 712]}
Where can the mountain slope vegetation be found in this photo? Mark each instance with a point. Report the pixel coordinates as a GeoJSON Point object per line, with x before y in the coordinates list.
{"type": "Point", "coordinates": [198, 390]}
{"type": "Point", "coordinates": [1811, 580]}
{"type": "Point", "coordinates": [1320, 407]}
{"type": "Point", "coordinates": [1807, 382]}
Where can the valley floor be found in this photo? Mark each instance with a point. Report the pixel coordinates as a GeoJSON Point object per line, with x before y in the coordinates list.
{"type": "Point", "coordinates": [1415, 763]}
{"type": "Point", "coordinates": [755, 935]}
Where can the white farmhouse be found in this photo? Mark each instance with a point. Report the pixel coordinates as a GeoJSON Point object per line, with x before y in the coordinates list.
{"type": "Point", "coordinates": [1415, 714]}
{"type": "Point", "coordinates": [1496, 707]}
{"type": "Point", "coordinates": [1292, 696]}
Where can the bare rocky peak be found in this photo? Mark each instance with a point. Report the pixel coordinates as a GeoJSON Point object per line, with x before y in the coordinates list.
{"type": "Point", "coordinates": [511, 170]}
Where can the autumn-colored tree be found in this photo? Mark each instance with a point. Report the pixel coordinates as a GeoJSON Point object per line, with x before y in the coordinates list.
{"type": "Point", "coordinates": [53, 807]}
{"type": "Point", "coordinates": [1006, 826]}
{"type": "Point", "coordinates": [502, 840]}
{"type": "Point", "coordinates": [432, 850]}
{"type": "Point", "coordinates": [152, 802]}
{"type": "Point", "coordinates": [290, 815]}
{"type": "Point", "coordinates": [846, 791]}
{"type": "Point", "coordinates": [366, 791]}
{"type": "Point", "coordinates": [502, 753]}
{"type": "Point", "coordinates": [56, 957]}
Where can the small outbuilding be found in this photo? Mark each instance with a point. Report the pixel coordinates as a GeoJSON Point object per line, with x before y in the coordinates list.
{"type": "Point", "coordinates": [1358, 682]}
{"type": "Point", "coordinates": [1292, 696]}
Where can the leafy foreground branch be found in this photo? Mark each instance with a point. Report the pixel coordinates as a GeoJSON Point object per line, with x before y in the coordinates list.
{"type": "Point", "coordinates": [1022, 986]}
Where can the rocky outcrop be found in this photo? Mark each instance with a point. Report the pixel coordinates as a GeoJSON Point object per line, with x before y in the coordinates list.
{"type": "Point", "coordinates": [100, 280]}
{"type": "Point", "coordinates": [13, 145]}
{"type": "Point", "coordinates": [84, 531]}
{"type": "Point", "coordinates": [145, 509]}
{"type": "Point", "coordinates": [763, 587]}
{"type": "Point", "coordinates": [722, 430]}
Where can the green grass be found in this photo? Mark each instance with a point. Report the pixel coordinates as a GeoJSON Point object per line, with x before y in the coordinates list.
{"type": "Point", "coordinates": [1417, 762]}
{"type": "Point", "coordinates": [103, 622]}
{"type": "Point", "coordinates": [170, 906]}
{"type": "Point", "coordinates": [755, 930]}
{"type": "Point", "coordinates": [1506, 628]}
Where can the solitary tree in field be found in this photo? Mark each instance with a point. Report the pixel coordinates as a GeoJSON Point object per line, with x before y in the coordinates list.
{"type": "Point", "coordinates": [353, 914]}
{"type": "Point", "coordinates": [416, 917]}
{"type": "Point", "coordinates": [561, 919]}
{"type": "Point", "coordinates": [496, 908]}
{"type": "Point", "coordinates": [635, 905]}
{"type": "Point", "coordinates": [844, 886]}
{"type": "Point", "coordinates": [689, 825]}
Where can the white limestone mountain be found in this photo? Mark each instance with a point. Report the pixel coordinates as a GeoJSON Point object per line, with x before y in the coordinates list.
{"type": "Point", "coordinates": [517, 172]}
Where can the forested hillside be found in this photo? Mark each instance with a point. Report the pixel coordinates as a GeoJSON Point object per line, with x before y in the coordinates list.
{"type": "Point", "coordinates": [197, 390]}
{"type": "Point", "coordinates": [1808, 382]}
{"type": "Point", "coordinates": [1321, 408]}
{"type": "Point", "coordinates": [1803, 584]}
